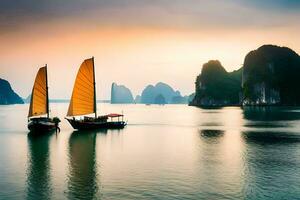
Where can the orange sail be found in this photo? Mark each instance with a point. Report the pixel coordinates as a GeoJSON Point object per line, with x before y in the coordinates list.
{"type": "Point", "coordinates": [39, 95]}
{"type": "Point", "coordinates": [83, 99]}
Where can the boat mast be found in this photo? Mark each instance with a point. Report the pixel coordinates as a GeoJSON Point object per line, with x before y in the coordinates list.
{"type": "Point", "coordinates": [47, 96]}
{"type": "Point", "coordinates": [95, 99]}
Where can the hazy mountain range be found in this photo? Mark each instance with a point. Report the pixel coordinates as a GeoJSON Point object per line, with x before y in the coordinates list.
{"type": "Point", "coordinates": [161, 93]}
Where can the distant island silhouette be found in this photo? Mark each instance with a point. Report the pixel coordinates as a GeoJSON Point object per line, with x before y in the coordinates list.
{"type": "Point", "coordinates": [120, 94]}
{"type": "Point", "coordinates": [161, 93]}
{"type": "Point", "coordinates": [8, 95]}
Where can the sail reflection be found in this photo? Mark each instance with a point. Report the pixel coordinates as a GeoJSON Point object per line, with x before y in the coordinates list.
{"type": "Point", "coordinates": [82, 180]}
{"type": "Point", "coordinates": [38, 172]}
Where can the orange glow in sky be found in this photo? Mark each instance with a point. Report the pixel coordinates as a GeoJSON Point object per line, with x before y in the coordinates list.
{"type": "Point", "coordinates": [133, 55]}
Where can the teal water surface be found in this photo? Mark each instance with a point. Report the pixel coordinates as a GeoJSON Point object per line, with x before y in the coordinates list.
{"type": "Point", "coordinates": [165, 152]}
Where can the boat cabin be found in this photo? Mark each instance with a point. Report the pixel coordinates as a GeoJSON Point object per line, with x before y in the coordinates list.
{"type": "Point", "coordinates": [112, 116]}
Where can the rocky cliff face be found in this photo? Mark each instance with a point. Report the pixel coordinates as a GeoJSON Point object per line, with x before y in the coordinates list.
{"type": "Point", "coordinates": [7, 95]}
{"type": "Point", "coordinates": [120, 94]}
{"type": "Point", "coordinates": [216, 87]}
{"type": "Point", "coordinates": [271, 76]}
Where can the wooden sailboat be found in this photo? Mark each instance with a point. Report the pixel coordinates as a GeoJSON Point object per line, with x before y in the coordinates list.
{"type": "Point", "coordinates": [83, 102]}
{"type": "Point", "coordinates": [39, 105]}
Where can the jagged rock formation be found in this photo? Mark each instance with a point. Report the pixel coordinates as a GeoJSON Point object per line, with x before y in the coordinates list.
{"type": "Point", "coordinates": [271, 76]}
{"type": "Point", "coordinates": [7, 95]}
{"type": "Point", "coordinates": [150, 93]}
{"type": "Point", "coordinates": [216, 87]}
{"type": "Point", "coordinates": [120, 94]}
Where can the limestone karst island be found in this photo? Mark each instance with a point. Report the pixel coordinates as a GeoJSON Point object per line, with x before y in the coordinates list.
{"type": "Point", "coordinates": [269, 76]}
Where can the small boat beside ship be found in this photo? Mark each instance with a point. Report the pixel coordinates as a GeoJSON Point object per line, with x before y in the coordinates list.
{"type": "Point", "coordinates": [39, 105]}
{"type": "Point", "coordinates": [83, 102]}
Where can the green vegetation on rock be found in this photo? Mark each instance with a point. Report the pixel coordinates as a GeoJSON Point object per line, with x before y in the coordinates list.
{"type": "Point", "coordinates": [271, 76]}
{"type": "Point", "coordinates": [216, 87]}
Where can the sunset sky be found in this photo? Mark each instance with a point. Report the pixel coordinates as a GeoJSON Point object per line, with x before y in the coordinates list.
{"type": "Point", "coordinates": [136, 42]}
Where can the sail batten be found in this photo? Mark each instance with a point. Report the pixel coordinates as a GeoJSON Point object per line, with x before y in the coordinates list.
{"type": "Point", "coordinates": [83, 102]}
{"type": "Point", "coordinates": [84, 83]}
{"type": "Point", "coordinates": [81, 86]}
{"type": "Point", "coordinates": [83, 95]}
{"type": "Point", "coordinates": [39, 101]}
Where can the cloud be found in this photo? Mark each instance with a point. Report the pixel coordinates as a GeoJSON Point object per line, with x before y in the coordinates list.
{"type": "Point", "coordinates": [275, 5]}
{"type": "Point", "coordinates": [196, 14]}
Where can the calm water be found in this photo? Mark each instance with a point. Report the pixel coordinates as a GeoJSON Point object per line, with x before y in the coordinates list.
{"type": "Point", "coordinates": [166, 152]}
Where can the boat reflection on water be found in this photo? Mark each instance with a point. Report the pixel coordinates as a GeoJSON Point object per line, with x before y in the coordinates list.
{"type": "Point", "coordinates": [211, 133]}
{"type": "Point", "coordinates": [82, 178]}
{"type": "Point", "coordinates": [38, 172]}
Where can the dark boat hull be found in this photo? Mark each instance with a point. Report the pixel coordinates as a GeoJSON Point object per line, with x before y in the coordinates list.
{"type": "Point", "coordinates": [41, 126]}
{"type": "Point", "coordinates": [84, 125]}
